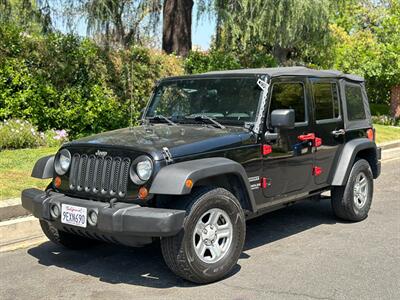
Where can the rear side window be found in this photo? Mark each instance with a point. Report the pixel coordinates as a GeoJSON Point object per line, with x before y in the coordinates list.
{"type": "Point", "coordinates": [289, 95]}
{"type": "Point", "coordinates": [326, 100]}
{"type": "Point", "coordinates": [354, 102]}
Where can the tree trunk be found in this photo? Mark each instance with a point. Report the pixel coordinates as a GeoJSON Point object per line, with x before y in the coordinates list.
{"type": "Point", "coordinates": [177, 26]}
{"type": "Point", "coordinates": [395, 101]}
{"type": "Point", "coordinates": [281, 54]}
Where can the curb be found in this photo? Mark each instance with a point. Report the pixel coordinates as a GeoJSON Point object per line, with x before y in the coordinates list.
{"type": "Point", "coordinates": [12, 208]}
{"type": "Point", "coordinates": [390, 145]}
{"type": "Point", "coordinates": [20, 233]}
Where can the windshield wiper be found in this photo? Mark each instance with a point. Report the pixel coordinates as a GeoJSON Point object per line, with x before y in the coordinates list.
{"type": "Point", "coordinates": [161, 117]}
{"type": "Point", "coordinates": [204, 117]}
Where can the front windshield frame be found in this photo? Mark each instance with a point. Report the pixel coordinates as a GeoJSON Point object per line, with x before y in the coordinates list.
{"type": "Point", "coordinates": [255, 77]}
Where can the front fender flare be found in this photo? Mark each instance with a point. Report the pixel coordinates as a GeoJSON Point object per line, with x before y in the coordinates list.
{"type": "Point", "coordinates": [171, 179]}
{"type": "Point", "coordinates": [44, 167]}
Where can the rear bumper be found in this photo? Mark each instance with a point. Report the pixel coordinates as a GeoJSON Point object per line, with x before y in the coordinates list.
{"type": "Point", "coordinates": [378, 162]}
{"type": "Point", "coordinates": [123, 219]}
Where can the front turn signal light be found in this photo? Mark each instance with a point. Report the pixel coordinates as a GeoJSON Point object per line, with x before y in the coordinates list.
{"type": "Point", "coordinates": [143, 193]}
{"type": "Point", "coordinates": [189, 183]}
{"type": "Point", "coordinates": [57, 182]}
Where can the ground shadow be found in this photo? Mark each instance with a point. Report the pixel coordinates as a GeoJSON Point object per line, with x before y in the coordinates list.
{"type": "Point", "coordinates": [145, 266]}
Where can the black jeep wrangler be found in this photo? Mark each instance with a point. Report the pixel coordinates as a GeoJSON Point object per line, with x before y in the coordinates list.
{"type": "Point", "coordinates": [212, 151]}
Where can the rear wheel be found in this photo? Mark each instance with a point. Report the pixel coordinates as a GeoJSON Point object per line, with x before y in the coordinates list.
{"type": "Point", "coordinates": [353, 201]}
{"type": "Point", "coordinates": [65, 239]}
{"type": "Point", "coordinates": [212, 239]}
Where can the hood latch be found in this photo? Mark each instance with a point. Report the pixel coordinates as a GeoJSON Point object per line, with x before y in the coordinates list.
{"type": "Point", "coordinates": [167, 155]}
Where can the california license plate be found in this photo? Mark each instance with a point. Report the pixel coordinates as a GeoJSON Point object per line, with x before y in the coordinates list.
{"type": "Point", "coordinates": [73, 215]}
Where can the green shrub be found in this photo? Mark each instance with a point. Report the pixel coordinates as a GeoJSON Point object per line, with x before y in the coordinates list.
{"type": "Point", "coordinates": [18, 134]}
{"type": "Point", "coordinates": [64, 81]}
{"type": "Point", "coordinates": [215, 60]}
{"type": "Point", "coordinates": [200, 62]}
{"type": "Point", "coordinates": [379, 109]}
{"type": "Point", "coordinates": [385, 120]}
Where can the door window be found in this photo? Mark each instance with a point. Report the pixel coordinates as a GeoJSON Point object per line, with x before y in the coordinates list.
{"type": "Point", "coordinates": [289, 95]}
{"type": "Point", "coordinates": [326, 100]}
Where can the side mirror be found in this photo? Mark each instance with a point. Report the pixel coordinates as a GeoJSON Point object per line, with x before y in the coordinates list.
{"type": "Point", "coordinates": [282, 118]}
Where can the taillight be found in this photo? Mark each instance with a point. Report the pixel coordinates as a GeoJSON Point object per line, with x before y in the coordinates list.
{"type": "Point", "coordinates": [370, 134]}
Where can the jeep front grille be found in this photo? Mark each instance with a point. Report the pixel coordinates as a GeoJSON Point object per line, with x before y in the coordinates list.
{"type": "Point", "coordinates": [100, 176]}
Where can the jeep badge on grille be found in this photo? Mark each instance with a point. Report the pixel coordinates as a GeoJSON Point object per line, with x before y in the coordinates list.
{"type": "Point", "coordinates": [101, 153]}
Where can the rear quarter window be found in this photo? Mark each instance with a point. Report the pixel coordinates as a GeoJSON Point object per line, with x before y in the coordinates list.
{"type": "Point", "coordinates": [354, 103]}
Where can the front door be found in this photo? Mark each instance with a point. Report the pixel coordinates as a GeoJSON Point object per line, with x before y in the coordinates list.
{"type": "Point", "coordinates": [288, 168]}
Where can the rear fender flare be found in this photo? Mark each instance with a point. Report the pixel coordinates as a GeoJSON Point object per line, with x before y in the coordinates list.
{"type": "Point", "coordinates": [347, 158]}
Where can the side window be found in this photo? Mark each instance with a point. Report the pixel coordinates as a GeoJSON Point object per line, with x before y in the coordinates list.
{"type": "Point", "coordinates": [286, 95]}
{"type": "Point", "coordinates": [326, 100]}
{"type": "Point", "coordinates": [355, 105]}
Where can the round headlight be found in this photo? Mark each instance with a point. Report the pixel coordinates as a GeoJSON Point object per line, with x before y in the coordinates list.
{"type": "Point", "coordinates": [63, 161]}
{"type": "Point", "coordinates": [142, 169]}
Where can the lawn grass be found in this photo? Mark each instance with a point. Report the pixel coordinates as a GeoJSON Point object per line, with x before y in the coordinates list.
{"type": "Point", "coordinates": [15, 171]}
{"type": "Point", "coordinates": [386, 133]}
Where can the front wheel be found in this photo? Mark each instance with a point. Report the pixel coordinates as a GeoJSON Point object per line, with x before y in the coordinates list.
{"type": "Point", "coordinates": [353, 201]}
{"type": "Point", "coordinates": [212, 239]}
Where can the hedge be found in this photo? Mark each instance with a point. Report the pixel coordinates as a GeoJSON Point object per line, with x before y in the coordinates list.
{"type": "Point", "coordinates": [63, 81]}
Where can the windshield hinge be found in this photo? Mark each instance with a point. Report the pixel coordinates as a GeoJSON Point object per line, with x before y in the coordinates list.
{"type": "Point", "coordinates": [167, 155]}
{"type": "Point", "coordinates": [264, 85]}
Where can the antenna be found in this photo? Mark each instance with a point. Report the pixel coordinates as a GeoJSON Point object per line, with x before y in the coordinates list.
{"type": "Point", "coordinates": [131, 96]}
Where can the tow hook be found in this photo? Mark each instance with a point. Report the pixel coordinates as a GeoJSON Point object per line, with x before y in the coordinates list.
{"type": "Point", "coordinates": [112, 202]}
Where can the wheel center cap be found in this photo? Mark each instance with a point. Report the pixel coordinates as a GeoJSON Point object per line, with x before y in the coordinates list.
{"type": "Point", "coordinates": [209, 232]}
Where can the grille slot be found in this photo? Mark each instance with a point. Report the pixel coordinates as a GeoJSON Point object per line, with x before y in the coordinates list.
{"type": "Point", "coordinates": [99, 176]}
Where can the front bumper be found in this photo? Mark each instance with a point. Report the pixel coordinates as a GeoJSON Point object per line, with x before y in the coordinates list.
{"type": "Point", "coordinates": [119, 223]}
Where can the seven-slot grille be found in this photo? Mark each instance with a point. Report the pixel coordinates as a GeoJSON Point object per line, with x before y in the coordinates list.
{"type": "Point", "coordinates": [101, 176]}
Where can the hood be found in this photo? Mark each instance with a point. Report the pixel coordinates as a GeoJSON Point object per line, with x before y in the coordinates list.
{"type": "Point", "coordinates": [181, 140]}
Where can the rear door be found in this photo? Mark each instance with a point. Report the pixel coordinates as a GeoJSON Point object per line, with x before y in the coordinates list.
{"type": "Point", "coordinates": [288, 168]}
{"type": "Point", "coordinates": [329, 126]}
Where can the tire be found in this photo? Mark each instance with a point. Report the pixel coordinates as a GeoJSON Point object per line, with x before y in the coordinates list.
{"type": "Point", "coordinates": [65, 239]}
{"type": "Point", "coordinates": [222, 212]}
{"type": "Point", "coordinates": [349, 202]}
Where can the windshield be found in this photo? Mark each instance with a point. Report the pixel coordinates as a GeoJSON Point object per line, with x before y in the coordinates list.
{"type": "Point", "coordinates": [227, 100]}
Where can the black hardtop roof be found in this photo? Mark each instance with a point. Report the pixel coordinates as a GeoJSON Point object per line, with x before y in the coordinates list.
{"type": "Point", "coordinates": [281, 71]}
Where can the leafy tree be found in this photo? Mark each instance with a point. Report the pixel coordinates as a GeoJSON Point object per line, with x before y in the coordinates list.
{"type": "Point", "coordinates": [283, 28]}
{"type": "Point", "coordinates": [32, 15]}
{"type": "Point", "coordinates": [366, 37]}
{"type": "Point", "coordinates": [127, 22]}
{"type": "Point", "coordinates": [119, 23]}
